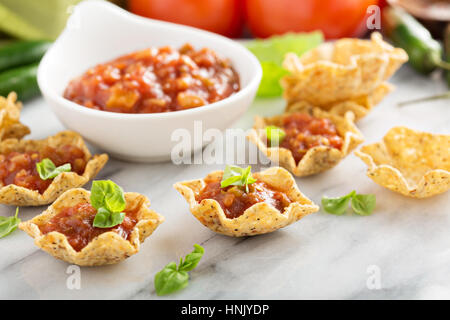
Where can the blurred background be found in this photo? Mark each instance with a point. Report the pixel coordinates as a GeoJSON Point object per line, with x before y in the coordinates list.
{"type": "Point", "coordinates": [418, 26]}
{"type": "Point", "coordinates": [31, 19]}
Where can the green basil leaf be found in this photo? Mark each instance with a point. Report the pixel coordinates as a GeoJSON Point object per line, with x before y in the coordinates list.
{"type": "Point", "coordinates": [275, 135]}
{"type": "Point", "coordinates": [9, 224]}
{"type": "Point", "coordinates": [338, 205]}
{"type": "Point", "coordinates": [106, 219]}
{"type": "Point", "coordinates": [237, 176]}
{"type": "Point", "coordinates": [47, 169]}
{"type": "Point", "coordinates": [247, 178]}
{"type": "Point", "coordinates": [170, 280]}
{"type": "Point", "coordinates": [107, 194]}
{"type": "Point", "coordinates": [192, 259]}
{"type": "Point", "coordinates": [232, 181]}
{"type": "Point", "coordinates": [231, 175]}
{"type": "Point", "coordinates": [363, 204]}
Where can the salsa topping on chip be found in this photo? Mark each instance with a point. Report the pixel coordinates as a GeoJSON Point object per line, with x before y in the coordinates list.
{"type": "Point", "coordinates": [156, 80]}
{"type": "Point", "coordinates": [76, 223]}
{"type": "Point", "coordinates": [33, 169]}
{"type": "Point", "coordinates": [235, 199]}
{"type": "Point", "coordinates": [272, 202]}
{"type": "Point", "coordinates": [67, 229]}
{"type": "Point", "coordinates": [84, 221]}
{"type": "Point", "coordinates": [301, 131]}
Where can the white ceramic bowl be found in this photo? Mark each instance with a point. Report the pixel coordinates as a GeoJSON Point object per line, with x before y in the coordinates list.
{"type": "Point", "coordinates": [97, 32]}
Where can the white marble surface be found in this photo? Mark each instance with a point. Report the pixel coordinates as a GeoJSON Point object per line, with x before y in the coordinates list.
{"type": "Point", "coordinates": [321, 256]}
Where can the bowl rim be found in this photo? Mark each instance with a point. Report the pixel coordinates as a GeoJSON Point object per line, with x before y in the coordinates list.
{"type": "Point", "coordinates": [47, 91]}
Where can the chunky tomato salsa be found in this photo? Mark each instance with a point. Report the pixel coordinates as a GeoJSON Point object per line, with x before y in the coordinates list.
{"type": "Point", "coordinates": [156, 80]}
{"type": "Point", "coordinates": [304, 132]}
{"type": "Point", "coordinates": [234, 200]}
{"type": "Point", "coordinates": [76, 224]}
{"type": "Point", "coordinates": [20, 168]}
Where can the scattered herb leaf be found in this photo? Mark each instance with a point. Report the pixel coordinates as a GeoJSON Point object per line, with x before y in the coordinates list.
{"type": "Point", "coordinates": [9, 224]}
{"type": "Point", "coordinates": [362, 204]}
{"type": "Point", "coordinates": [47, 169]}
{"type": "Point", "coordinates": [237, 176]}
{"type": "Point", "coordinates": [109, 200]}
{"type": "Point", "coordinates": [337, 205]}
{"type": "Point", "coordinates": [192, 259]}
{"type": "Point", "coordinates": [172, 278]}
{"type": "Point", "coordinates": [275, 135]}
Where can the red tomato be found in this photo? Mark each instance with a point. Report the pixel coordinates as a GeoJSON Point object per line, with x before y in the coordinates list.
{"type": "Point", "coordinates": [221, 16]}
{"type": "Point", "coordinates": [336, 18]}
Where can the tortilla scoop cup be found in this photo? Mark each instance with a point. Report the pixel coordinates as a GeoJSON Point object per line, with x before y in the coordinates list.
{"type": "Point", "coordinates": [10, 126]}
{"type": "Point", "coordinates": [107, 248]}
{"type": "Point", "coordinates": [316, 159]}
{"type": "Point", "coordinates": [19, 196]}
{"type": "Point", "coordinates": [360, 106]}
{"type": "Point", "coordinates": [413, 163]}
{"type": "Point", "coordinates": [342, 71]}
{"type": "Point", "coordinates": [258, 219]}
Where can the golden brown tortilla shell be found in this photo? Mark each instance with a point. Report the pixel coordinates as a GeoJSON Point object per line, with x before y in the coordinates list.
{"type": "Point", "coordinates": [10, 125]}
{"type": "Point", "coordinates": [107, 248]}
{"type": "Point", "coordinates": [413, 163]}
{"type": "Point", "coordinates": [258, 219]}
{"type": "Point", "coordinates": [342, 74]}
{"type": "Point", "coordinates": [20, 196]}
{"type": "Point", "coordinates": [316, 159]}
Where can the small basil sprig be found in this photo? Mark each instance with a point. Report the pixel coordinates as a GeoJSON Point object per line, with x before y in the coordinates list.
{"type": "Point", "coordinates": [47, 169]}
{"type": "Point", "coordinates": [9, 224]}
{"type": "Point", "coordinates": [237, 176]}
{"type": "Point", "coordinates": [362, 204]}
{"type": "Point", "coordinates": [172, 278]}
{"type": "Point", "coordinates": [275, 135]}
{"type": "Point", "coordinates": [109, 200]}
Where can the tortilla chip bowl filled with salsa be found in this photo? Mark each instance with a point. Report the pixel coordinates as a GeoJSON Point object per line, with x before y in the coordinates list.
{"type": "Point", "coordinates": [71, 229]}
{"type": "Point", "coordinates": [308, 141]}
{"type": "Point", "coordinates": [267, 201]}
{"type": "Point", "coordinates": [129, 86]}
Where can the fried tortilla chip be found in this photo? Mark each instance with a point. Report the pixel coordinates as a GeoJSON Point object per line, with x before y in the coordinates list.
{"type": "Point", "coordinates": [342, 74]}
{"type": "Point", "coordinates": [258, 219]}
{"type": "Point", "coordinates": [316, 159]}
{"type": "Point", "coordinates": [19, 196]}
{"type": "Point", "coordinates": [360, 106]}
{"type": "Point", "coordinates": [109, 247]}
{"type": "Point", "coordinates": [10, 126]}
{"type": "Point", "coordinates": [413, 163]}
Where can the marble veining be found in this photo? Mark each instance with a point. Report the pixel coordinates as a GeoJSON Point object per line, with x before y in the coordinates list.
{"type": "Point", "coordinates": [406, 241]}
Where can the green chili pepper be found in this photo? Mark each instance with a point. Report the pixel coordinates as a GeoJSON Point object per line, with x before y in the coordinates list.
{"type": "Point", "coordinates": [22, 80]}
{"type": "Point", "coordinates": [425, 53]}
{"type": "Point", "coordinates": [21, 53]}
